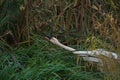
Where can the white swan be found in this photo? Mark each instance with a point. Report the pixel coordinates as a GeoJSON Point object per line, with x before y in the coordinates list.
{"type": "Point", "coordinates": [85, 54]}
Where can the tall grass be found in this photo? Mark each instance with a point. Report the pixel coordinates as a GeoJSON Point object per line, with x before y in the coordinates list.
{"type": "Point", "coordinates": [83, 24]}
{"type": "Point", "coordinates": [43, 62]}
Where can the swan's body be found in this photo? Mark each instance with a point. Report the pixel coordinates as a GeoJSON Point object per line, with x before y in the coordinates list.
{"type": "Point", "coordinates": [97, 52]}
{"type": "Point", "coordinates": [93, 53]}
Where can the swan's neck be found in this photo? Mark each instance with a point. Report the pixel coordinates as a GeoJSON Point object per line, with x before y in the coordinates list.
{"type": "Point", "coordinates": [55, 41]}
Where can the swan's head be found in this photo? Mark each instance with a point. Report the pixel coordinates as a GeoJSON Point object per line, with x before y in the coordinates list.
{"type": "Point", "coordinates": [52, 39]}
{"type": "Point", "coordinates": [48, 37]}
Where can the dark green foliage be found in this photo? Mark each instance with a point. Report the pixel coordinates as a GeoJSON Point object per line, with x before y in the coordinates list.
{"type": "Point", "coordinates": [41, 62]}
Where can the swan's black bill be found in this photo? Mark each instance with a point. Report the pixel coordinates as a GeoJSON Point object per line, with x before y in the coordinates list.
{"type": "Point", "coordinates": [48, 37]}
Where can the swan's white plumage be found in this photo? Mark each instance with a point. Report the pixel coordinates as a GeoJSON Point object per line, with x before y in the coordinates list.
{"type": "Point", "coordinates": [93, 53]}
{"type": "Point", "coordinates": [97, 52]}
{"type": "Point", "coordinates": [91, 59]}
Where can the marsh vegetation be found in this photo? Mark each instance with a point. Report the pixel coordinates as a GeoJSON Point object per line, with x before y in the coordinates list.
{"type": "Point", "coordinates": [82, 24]}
